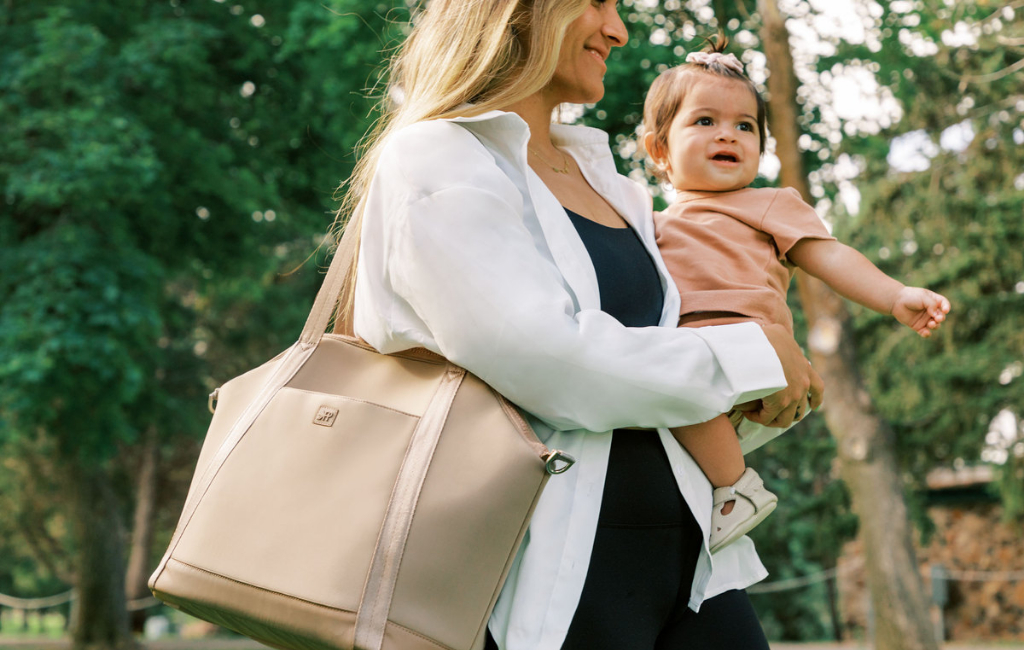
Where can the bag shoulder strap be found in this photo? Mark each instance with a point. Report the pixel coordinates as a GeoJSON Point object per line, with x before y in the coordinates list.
{"type": "Point", "coordinates": [342, 264]}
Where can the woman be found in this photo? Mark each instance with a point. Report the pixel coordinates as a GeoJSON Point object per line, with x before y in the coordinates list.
{"type": "Point", "coordinates": [468, 248]}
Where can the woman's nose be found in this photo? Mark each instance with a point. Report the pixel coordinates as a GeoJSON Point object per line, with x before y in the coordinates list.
{"type": "Point", "coordinates": [614, 29]}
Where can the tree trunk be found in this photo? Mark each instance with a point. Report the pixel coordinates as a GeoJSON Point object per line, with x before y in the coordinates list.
{"type": "Point", "coordinates": [142, 531]}
{"type": "Point", "coordinates": [865, 441]}
{"type": "Point", "coordinates": [101, 617]}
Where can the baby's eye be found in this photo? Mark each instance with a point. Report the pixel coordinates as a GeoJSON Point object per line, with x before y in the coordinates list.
{"type": "Point", "coordinates": [704, 121]}
{"type": "Point", "coordinates": [746, 126]}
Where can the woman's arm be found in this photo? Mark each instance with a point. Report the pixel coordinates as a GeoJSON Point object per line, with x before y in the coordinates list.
{"type": "Point", "coordinates": [853, 276]}
{"type": "Point", "coordinates": [447, 262]}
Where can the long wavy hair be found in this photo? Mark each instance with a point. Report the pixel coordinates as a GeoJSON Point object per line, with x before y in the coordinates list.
{"type": "Point", "coordinates": [461, 58]}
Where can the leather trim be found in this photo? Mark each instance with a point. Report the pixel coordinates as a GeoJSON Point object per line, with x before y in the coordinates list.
{"type": "Point", "coordinates": [521, 425]}
{"type": "Point", "coordinates": [379, 590]}
{"type": "Point", "coordinates": [419, 354]}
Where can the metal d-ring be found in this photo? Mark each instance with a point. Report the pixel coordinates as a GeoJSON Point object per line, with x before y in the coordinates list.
{"type": "Point", "coordinates": [557, 462]}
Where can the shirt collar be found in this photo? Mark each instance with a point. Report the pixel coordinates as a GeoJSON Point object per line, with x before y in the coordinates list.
{"type": "Point", "coordinates": [563, 135]}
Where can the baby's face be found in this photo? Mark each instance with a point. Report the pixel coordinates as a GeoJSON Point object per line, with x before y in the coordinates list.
{"type": "Point", "coordinates": [713, 143]}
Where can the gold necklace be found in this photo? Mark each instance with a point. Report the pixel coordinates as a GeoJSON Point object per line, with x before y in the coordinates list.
{"type": "Point", "coordinates": [565, 161]}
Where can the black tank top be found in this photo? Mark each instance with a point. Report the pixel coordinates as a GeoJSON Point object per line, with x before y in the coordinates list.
{"type": "Point", "coordinates": [640, 489]}
{"type": "Point", "coordinates": [626, 276]}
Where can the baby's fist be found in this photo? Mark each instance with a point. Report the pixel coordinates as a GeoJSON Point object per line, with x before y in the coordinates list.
{"type": "Point", "coordinates": [920, 309]}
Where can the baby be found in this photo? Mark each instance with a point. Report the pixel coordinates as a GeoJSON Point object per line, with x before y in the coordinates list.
{"type": "Point", "coordinates": [732, 249]}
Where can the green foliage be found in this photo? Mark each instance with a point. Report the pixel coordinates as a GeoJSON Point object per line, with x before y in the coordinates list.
{"type": "Point", "coordinates": [956, 228]}
{"type": "Point", "coordinates": [163, 166]}
{"type": "Point", "coordinates": [972, 253]}
{"type": "Point", "coordinates": [34, 541]}
{"type": "Point", "coordinates": [803, 536]}
{"type": "Point", "coordinates": [76, 335]}
{"type": "Point", "coordinates": [178, 154]}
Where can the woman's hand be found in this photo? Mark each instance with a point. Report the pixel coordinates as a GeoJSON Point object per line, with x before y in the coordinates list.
{"type": "Point", "coordinates": [804, 388]}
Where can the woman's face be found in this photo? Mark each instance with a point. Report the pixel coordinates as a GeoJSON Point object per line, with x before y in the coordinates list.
{"type": "Point", "coordinates": [579, 76]}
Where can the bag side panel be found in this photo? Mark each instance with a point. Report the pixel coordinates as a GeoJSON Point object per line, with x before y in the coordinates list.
{"type": "Point", "coordinates": [232, 398]}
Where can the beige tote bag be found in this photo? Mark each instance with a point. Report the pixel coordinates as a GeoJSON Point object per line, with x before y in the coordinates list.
{"type": "Point", "coordinates": [349, 499]}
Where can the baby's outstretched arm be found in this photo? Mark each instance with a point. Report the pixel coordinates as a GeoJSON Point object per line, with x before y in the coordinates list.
{"type": "Point", "coordinates": [853, 276]}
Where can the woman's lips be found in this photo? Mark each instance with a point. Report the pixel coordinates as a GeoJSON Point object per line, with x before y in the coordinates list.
{"type": "Point", "coordinates": [597, 55]}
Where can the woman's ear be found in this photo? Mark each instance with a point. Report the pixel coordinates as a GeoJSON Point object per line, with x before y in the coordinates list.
{"type": "Point", "coordinates": [655, 150]}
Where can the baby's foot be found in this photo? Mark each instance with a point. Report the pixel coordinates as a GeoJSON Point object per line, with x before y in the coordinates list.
{"type": "Point", "coordinates": [738, 508]}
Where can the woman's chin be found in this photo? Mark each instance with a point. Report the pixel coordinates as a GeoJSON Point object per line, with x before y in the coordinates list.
{"type": "Point", "coordinates": [588, 96]}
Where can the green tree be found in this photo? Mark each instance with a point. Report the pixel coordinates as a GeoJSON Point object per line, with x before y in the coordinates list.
{"type": "Point", "coordinates": [948, 216]}
{"type": "Point", "coordinates": [865, 442]}
{"type": "Point", "coordinates": [160, 165]}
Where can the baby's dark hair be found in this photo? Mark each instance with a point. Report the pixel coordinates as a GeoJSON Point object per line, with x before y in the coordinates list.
{"type": "Point", "coordinates": [666, 93]}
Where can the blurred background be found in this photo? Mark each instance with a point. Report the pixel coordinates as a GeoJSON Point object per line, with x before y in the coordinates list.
{"type": "Point", "coordinates": [168, 172]}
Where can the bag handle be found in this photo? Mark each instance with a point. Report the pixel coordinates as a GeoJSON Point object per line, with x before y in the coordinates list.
{"type": "Point", "coordinates": [330, 292]}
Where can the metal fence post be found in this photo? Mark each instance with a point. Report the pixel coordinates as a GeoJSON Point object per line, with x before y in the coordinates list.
{"type": "Point", "coordinates": [940, 596]}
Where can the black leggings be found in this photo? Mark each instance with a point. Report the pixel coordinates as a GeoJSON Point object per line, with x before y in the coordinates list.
{"type": "Point", "coordinates": [642, 566]}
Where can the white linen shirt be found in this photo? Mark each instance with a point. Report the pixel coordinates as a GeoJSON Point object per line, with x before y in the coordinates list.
{"type": "Point", "coordinates": [467, 253]}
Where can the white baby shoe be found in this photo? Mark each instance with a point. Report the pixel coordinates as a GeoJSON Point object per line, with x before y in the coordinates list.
{"type": "Point", "coordinates": [753, 504]}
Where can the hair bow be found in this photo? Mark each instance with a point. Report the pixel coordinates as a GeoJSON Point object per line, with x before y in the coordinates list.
{"type": "Point", "coordinates": [707, 58]}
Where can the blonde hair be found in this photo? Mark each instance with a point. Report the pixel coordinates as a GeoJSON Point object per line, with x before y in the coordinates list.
{"type": "Point", "coordinates": [485, 53]}
{"type": "Point", "coordinates": [666, 94]}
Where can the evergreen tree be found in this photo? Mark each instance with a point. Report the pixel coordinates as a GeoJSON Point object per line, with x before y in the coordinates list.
{"type": "Point", "coordinates": [161, 165]}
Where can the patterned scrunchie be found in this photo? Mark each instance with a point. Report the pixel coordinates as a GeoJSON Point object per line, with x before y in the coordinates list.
{"type": "Point", "coordinates": [707, 58]}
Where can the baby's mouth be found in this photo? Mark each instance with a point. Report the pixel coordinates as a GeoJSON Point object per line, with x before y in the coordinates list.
{"type": "Point", "coordinates": [725, 157]}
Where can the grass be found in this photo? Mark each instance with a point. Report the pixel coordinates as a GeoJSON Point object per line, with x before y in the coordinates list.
{"type": "Point", "coordinates": [16, 625]}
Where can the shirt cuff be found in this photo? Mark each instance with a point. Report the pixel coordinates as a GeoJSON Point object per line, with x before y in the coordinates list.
{"type": "Point", "coordinates": [753, 435]}
{"type": "Point", "coordinates": [747, 359]}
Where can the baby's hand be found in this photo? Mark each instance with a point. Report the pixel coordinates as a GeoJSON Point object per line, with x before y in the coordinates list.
{"type": "Point", "coordinates": [920, 309]}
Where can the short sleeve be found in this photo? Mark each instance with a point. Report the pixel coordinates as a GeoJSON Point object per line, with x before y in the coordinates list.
{"type": "Point", "coordinates": [789, 219]}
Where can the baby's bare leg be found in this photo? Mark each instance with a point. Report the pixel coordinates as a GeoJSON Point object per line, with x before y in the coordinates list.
{"type": "Point", "coordinates": [716, 448]}
{"type": "Point", "coordinates": [714, 444]}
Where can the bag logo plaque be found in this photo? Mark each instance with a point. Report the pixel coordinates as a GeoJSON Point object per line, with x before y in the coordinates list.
{"type": "Point", "coordinates": [325, 416]}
